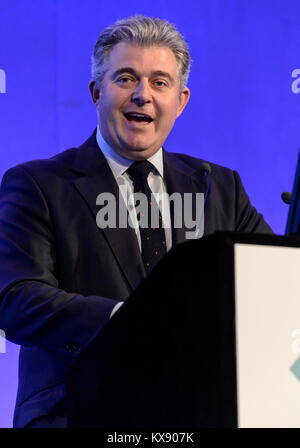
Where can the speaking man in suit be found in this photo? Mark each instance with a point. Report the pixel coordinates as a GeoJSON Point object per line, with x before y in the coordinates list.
{"type": "Point", "coordinates": [62, 274]}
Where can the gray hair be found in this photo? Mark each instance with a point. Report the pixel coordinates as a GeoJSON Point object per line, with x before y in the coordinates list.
{"type": "Point", "coordinates": [143, 31]}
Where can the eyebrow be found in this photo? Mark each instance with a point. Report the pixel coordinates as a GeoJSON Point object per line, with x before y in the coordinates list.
{"type": "Point", "coordinates": [130, 70]}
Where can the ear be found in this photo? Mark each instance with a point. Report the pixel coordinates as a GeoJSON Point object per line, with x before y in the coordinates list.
{"type": "Point", "coordinates": [183, 100]}
{"type": "Point", "coordinates": [95, 92]}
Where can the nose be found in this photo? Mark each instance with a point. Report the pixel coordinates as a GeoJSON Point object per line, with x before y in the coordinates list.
{"type": "Point", "coordinates": [141, 94]}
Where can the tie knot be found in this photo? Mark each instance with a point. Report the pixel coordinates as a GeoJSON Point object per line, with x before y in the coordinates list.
{"type": "Point", "coordinates": [140, 169]}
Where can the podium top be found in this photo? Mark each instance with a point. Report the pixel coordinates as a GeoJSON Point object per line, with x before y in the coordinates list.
{"type": "Point", "coordinates": [230, 238]}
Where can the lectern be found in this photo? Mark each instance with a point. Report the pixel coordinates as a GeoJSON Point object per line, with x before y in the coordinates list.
{"type": "Point", "coordinates": [206, 340]}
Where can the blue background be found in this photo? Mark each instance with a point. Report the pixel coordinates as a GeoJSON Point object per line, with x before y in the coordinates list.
{"type": "Point", "coordinates": [242, 112]}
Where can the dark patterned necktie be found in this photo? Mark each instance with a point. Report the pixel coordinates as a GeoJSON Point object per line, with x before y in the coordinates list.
{"type": "Point", "coordinates": [153, 239]}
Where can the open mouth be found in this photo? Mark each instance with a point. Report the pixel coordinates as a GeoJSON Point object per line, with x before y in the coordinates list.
{"type": "Point", "coordinates": [137, 117]}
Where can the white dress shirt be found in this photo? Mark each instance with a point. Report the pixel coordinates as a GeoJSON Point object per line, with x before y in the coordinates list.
{"type": "Point", "coordinates": [118, 165]}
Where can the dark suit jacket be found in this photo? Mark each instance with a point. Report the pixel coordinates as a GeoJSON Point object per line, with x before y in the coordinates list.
{"type": "Point", "coordinates": [61, 275]}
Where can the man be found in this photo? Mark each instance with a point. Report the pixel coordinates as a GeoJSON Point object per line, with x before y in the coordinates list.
{"type": "Point", "coordinates": [63, 276]}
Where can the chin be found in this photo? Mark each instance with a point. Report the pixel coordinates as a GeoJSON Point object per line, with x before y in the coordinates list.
{"type": "Point", "coordinates": [137, 146]}
{"type": "Point", "coordinates": [137, 152]}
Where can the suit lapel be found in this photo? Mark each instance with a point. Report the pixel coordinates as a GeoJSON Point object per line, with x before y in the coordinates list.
{"type": "Point", "coordinates": [181, 178]}
{"type": "Point", "coordinates": [96, 177]}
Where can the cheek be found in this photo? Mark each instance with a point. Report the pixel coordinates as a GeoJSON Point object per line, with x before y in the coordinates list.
{"type": "Point", "coordinates": [169, 109]}
{"type": "Point", "coordinates": [106, 110]}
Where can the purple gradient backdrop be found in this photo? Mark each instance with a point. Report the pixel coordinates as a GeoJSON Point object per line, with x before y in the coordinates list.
{"type": "Point", "coordinates": [242, 113]}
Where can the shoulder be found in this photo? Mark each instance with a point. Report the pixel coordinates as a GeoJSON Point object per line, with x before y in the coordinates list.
{"type": "Point", "coordinates": [196, 162]}
{"type": "Point", "coordinates": [217, 172]}
{"type": "Point", "coordinates": [58, 166]}
{"type": "Point", "coordinates": [40, 175]}
{"type": "Point", "coordinates": [60, 163]}
{"type": "Point", "coordinates": [55, 163]}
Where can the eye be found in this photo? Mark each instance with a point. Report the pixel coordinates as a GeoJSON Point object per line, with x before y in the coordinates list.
{"type": "Point", "coordinates": [125, 81]}
{"type": "Point", "coordinates": [160, 83]}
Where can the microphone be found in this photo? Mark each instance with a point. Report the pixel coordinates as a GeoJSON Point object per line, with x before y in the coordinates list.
{"type": "Point", "coordinates": [205, 170]}
{"type": "Point", "coordinates": [286, 196]}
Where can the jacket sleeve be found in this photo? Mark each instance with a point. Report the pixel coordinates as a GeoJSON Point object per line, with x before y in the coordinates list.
{"type": "Point", "coordinates": [34, 311]}
{"type": "Point", "coordinates": [247, 217]}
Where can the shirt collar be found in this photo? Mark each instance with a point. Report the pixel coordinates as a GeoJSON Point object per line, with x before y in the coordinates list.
{"type": "Point", "coordinates": [119, 164]}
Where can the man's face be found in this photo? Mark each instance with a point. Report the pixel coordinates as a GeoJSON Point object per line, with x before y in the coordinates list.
{"type": "Point", "coordinates": [139, 99]}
